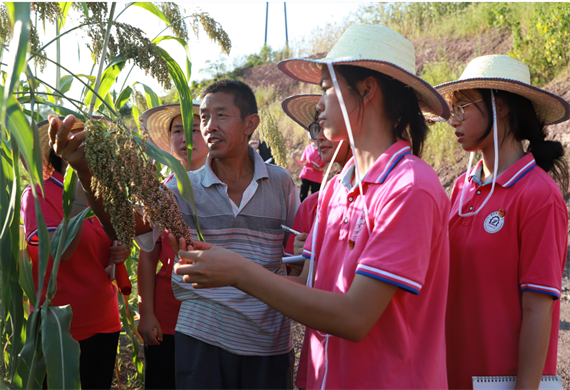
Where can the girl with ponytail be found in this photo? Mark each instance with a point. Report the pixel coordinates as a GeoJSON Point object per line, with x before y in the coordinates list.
{"type": "Point", "coordinates": [508, 226]}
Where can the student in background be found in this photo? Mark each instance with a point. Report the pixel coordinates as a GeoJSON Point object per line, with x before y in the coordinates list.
{"type": "Point", "coordinates": [312, 173]}
{"type": "Point", "coordinates": [157, 305]}
{"type": "Point", "coordinates": [508, 227]}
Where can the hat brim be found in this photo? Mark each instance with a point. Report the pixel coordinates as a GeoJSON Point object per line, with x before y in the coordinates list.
{"type": "Point", "coordinates": [429, 99]}
{"type": "Point", "coordinates": [156, 121]}
{"type": "Point", "coordinates": [549, 107]}
{"type": "Point", "coordinates": [301, 108]}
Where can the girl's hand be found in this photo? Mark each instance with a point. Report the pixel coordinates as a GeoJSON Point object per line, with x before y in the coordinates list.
{"type": "Point", "coordinates": [210, 266]}
{"type": "Point", "coordinates": [150, 330]}
{"type": "Point", "coordinates": [118, 254]}
{"type": "Point", "coordinates": [299, 243]}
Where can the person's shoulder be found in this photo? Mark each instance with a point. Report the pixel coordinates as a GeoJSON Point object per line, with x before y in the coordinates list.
{"type": "Point", "coordinates": [416, 173]}
{"type": "Point", "coordinates": [277, 173]}
{"type": "Point", "coordinates": [540, 189]}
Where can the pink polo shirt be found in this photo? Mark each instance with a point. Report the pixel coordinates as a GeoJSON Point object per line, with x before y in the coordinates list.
{"type": "Point", "coordinates": [516, 243]}
{"type": "Point", "coordinates": [303, 219]}
{"type": "Point", "coordinates": [408, 247]}
{"type": "Point", "coordinates": [81, 281]}
{"type": "Point", "coordinates": [311, 155]}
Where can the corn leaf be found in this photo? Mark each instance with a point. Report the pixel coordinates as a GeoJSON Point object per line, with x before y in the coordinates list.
{"type": "Point", "coordinates": [153, 9]}
{"type": "Point", "coordinates": [186, 47]}
{"type": "Point", "coordinates": [64, 6]}
{"type": "Point", "coordinates": [123, 97]}
{"type": "Point", "coordinates": [136, 114]}
{"type": "Point", "coordinates": [65, 83]}
{"type": "Point", "coordinates": [31, 366]}
{"type": "Point", "coordinates": [74, 225]}
{"type": "Point", "coordinates": [152, 99]}
{"type": "Point", "coordinates": [61, 351]}
{"type": "Point", "coordinates": [85, 9]}
{"type": "Point", "coordinates": [25, 271]}
{"type": "Point", "coordinates": [69, 185]}
{"type": "Point", "coordinates": [107, 80]}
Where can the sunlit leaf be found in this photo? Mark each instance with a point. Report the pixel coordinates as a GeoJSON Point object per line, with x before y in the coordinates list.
{"type": "Point", "coordinates": [152, 99]}
{"type": "Point", "coordinates": [61, 351]}
{"type": "Point", "coordinates": [64, 6]}
{"type": "Point", "coordinates": [123, 97]}
{"type": "Point", "coordinates": [74, 224]}
{"type": "Point", "coordinates": [153, 9]}
{"type": "Point", "coordinates": [65, 83]}
{"type": "Point", "coordinates": [107, 80]}
{"type": "Point", "coordinates": [186, 47]}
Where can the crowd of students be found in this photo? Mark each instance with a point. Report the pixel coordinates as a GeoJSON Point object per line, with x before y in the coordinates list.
{"type": "Point", "coordinates": [401, 287]}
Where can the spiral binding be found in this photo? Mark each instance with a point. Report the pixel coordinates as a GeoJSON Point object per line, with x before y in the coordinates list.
{"type": "Point", "coordinates": [512, 378]}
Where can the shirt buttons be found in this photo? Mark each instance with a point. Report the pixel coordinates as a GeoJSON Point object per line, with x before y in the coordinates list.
{"type": "Point", "coordinates": [350, 199]}
{"type": "Point", "coordinates": [479, 192]}
{"type": "Point", "coordinates": [345, 220]}
{"type": "Point", "coordinates": [471, 208]}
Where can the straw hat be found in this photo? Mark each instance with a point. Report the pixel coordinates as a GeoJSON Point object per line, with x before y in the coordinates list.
{"type": "Point", "coordinates": [157, 122]}
{"type": "Point", "coordinates": [43, 128]}
{"type": "Point", "coordinates": [377, 48]}
{"type": "Point", "coordinates": [507, 74]}
{"type": "Point", "coordinates": [301, 108]}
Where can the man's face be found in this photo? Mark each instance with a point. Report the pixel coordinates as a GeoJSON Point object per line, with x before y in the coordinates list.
{"type": "Point", "coordinates": [225, 132]}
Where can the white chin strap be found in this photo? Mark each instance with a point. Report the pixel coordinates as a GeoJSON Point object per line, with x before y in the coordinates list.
{"type": "Point", "coordinates": [496, 146]}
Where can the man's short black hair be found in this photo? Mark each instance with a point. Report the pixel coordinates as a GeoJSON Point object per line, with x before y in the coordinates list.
{"type": "Point", "coordinates": [244, 99]}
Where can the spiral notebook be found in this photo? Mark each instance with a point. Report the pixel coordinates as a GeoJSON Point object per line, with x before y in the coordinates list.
{"type": "Point", "coordinates": [548, 382]}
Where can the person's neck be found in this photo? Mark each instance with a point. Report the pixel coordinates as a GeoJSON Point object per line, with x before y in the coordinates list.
{"type": "Point", "coordinates": [233, 168]}
{"type": "Point", "coordinates": [510, 151]}
{"type": "Point", "coordinates": [373, 139]}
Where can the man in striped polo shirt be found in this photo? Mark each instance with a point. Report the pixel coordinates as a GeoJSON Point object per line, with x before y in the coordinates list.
{"type": "Point", "coordinates": [224, 337]}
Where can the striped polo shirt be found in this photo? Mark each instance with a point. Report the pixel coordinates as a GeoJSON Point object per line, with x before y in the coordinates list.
{"type": "Point", "coordinates": [227, 317]}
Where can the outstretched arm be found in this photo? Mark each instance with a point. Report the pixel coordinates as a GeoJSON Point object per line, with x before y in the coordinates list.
{"type": "Point", "coordinates": [71, 148]}
{"type": "Point", "coordinates": [350, 315]}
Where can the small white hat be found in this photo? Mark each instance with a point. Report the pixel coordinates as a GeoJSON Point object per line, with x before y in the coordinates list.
{"type": "Point", "coordinates": [507, 74]}
{"type": "Point", "coordinates": [157, 121]}
{"type": "Point", "coordinates": [377, 48]}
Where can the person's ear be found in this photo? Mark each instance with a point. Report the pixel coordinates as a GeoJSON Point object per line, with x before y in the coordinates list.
{"type": "Point", "coordinates": [502, 108]}
{"type": "Point", "coordinates": [368, 89]}
{"type": "Point", "coordinates": [251, 123]}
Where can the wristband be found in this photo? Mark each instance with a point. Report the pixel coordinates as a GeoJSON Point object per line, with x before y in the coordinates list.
{"type": "Point", "coordinates": [80, 204]}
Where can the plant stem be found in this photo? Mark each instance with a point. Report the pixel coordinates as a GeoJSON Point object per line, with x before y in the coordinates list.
{"type": "Point", "coordinates": [58, 59]}
{"type": "Point", "coordinates": [103, 55]}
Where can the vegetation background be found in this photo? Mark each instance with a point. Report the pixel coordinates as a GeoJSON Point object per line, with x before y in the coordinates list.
{"type": "Point", "coordinates": [446, 36]}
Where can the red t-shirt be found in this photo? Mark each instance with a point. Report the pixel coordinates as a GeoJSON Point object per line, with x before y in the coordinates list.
{"type": "Point", "coordinates": [516, 243]}
{"type": "Point", "coordinates": [311, 155]}
{"type": "Point", "coordinates": [407, 246]}
{"type": "Point", "coordinates": [82, 281]}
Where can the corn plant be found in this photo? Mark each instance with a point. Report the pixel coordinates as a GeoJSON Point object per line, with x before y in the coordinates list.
{"type": "Point", "coordinates": [39, 342]}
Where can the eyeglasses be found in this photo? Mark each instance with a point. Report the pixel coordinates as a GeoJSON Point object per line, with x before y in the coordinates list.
{"type": "Point", "coordinates": [314, 130]}
{"type": "Point", "coordinates": [459, 112]}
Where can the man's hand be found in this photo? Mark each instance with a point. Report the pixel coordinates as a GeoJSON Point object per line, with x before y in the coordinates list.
{"type": "Point", "coordinates": [150, 330]}
{"type": "Point", "coordinates": [68, 146]}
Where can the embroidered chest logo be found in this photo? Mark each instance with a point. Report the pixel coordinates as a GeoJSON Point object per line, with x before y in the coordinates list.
{"type": "Point", "coordinates": [494, 221]}
{"type": "Point", "coordinates": [359, 225]}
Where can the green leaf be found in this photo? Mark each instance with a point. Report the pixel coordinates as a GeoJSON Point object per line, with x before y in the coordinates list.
{"type": "Point", "coordinates": [85, 9]}
{"type": "Point", "coordinates": [152, 99]}
{"type": "Point", "coordinates": [136, 114]}
{"type": "Point", "coordinates": [63, 111]}
{"type": "Point", "coordinates": [61, 351]}
{"type": "Point", "coordinates": [20, 12]}
{"type": "Point", "coordinates": [123, 97]}
{"type": "Point", "coordinates": [153, 9]}
{"type": "Point", "coordinates": [25, 272]}
{"type": "Point", "coordinates": [69, 185]}
{"type": "Point", "coordinates": [31, 366]}
{"type": "Point", "coordinates": [65, 83]}
{"type": "Point", "coordinates": [74, 224]}
{"type": "Point", "coordinates": [87, 76]}
{"type": "Point", "coordinates": [186, 106]}
{"type": "Point", "coordinates": [186, 47]}
{"type": "Point", "coordinates": [51, 98]}
{"type": "Point", "coordinates": [107, 80]}
{"type": "Point", "coordinates": [183, 181]}
{"type": "Point", "coordinates": [65, 6]}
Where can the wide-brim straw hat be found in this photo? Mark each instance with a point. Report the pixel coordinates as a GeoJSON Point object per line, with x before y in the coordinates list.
{"type": "Point", "coordinates": [301, 108]}
{"type": "Point", "coordinates": [377, 48]}
{"type": "Point", "coordinates": [43, 128]}
{"type": "Point", "coordinates": [157, 121]}
{"type": "Point", "coordinates": [507, 74]}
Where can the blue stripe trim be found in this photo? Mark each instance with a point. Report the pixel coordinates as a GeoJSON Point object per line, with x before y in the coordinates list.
{"type": "Point", "coordinates": [390, 281]}
{"type": "Point", "coordinates": [56, 182]}
{"type": "Point", "coordinates": [36, 232]}
{"type": "Point", "coordinates": [553, 294]}
{"type": "Point", "coordinates": [393, 165]}
{"type": "Point", "coordinates": [306, 256]}
{"type": "Point", "coordinates": [521, 175]}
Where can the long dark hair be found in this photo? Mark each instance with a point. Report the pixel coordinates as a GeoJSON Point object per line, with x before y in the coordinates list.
{"type": "Point", "coordinates": [55, 161]}
{"type": "Point", "coordinates": [400, 104]}
{"type": "Point", "coordinates": [524, 124]}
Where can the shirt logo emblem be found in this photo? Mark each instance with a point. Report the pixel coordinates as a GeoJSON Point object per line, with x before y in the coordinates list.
{"type": "Point", "coordinates": [494, 221]}
{"type": "Point", "coordinates": [357, 229]}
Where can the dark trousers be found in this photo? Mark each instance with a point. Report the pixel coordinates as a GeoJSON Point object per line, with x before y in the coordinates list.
{"type": "Point", "coordinates": [306, 185]}
{"type": "Point", "coordinates": [159, 364]}
{"type": "Point", "coordinates": [96, 361]}
{"type": "Point", "coordinates": [204, 366]}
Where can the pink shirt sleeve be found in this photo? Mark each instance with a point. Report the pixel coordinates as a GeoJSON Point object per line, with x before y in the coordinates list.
{"type": "Point", "coordinates": [543, 246]}
{"type": "Point", "coordinates": [399, 248]}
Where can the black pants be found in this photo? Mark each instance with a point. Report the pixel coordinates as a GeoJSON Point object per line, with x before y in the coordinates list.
{"type": "Point", "coordinates": [96, 361]}
{"type": "Point", "coordinates": [204, 366]}
{"type": "Point", "coordinates": [159, 364]}
{"type": "Point", "coordinates": [305, 185]}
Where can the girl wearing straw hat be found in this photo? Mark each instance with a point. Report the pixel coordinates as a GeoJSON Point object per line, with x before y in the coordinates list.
{"type": "Point", "coordinates": [380, 235]}
{"type": "Point", "coordinates": [81, 280]}
{"type": "Point", "coordinates": [508, 226]}
{"type": "Point", "coordinates": [157, 304]}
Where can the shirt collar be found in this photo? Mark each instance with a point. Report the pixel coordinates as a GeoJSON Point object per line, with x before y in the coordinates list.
{"type": "Point", "coordinates": [259, 169]}
{"type": "Point", "coordinates": [57, 178]}
{"type": "Point", "coordinates": [509, 177]}
{"type": "Point", "coordinates": [382, 168]}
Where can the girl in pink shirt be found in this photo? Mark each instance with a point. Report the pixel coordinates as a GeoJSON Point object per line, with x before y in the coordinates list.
{"type": "Point", "coordinates": [380, 237]}
{"type": "Point", "coordinates": [312, 173]}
